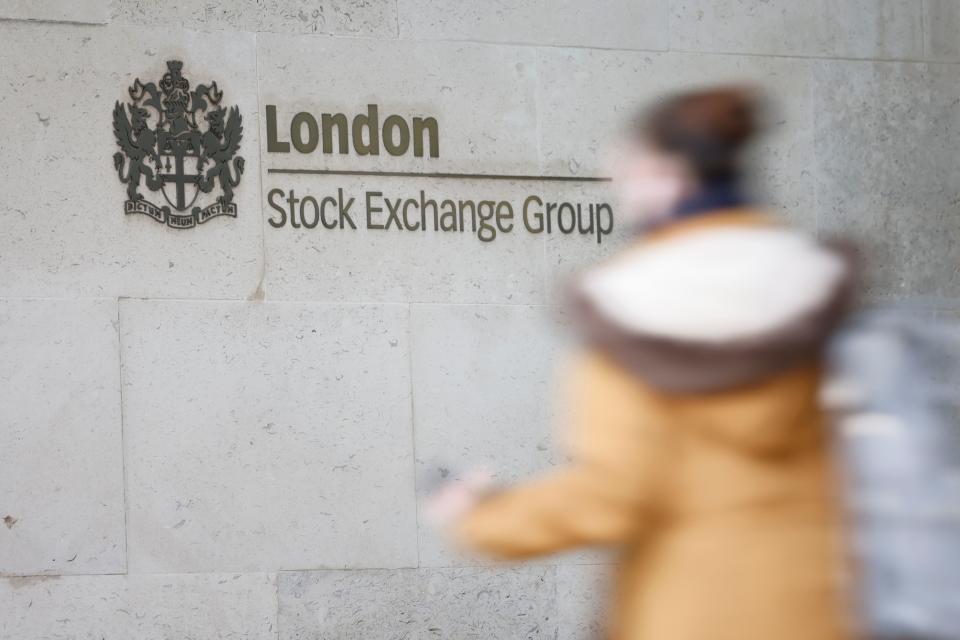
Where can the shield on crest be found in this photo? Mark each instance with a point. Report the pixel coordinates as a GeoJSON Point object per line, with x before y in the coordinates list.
{"type": "Point", "coordinates": [179, 173]}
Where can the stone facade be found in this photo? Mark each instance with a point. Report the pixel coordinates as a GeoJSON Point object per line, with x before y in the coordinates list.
{"type": "Point", "coordinates": [224, 432]}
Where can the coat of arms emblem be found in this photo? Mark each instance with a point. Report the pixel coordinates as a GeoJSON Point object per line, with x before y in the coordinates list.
{"type": "Point", "coordinates": [180, 143]}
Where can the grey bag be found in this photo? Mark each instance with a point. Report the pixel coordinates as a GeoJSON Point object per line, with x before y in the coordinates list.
{"type": "Point", "coordinates": [894, 388]}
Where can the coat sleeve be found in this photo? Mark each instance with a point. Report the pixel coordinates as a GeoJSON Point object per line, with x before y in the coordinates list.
{"type": "Point", "coordinates": [604, 496]}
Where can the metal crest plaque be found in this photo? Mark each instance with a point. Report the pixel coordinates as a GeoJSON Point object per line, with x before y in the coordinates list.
{"type": "Point", "coordinates": [180, 143]}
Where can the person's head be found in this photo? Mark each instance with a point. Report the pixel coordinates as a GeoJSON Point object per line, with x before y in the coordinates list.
{"type": "Point", "coordinates": [681, 144]}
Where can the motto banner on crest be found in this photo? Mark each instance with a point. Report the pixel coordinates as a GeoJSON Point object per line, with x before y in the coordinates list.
{"type": "Point", "coordinates": [180, 221]}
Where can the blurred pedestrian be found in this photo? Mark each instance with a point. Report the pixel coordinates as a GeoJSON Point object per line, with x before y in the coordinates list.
{"type": "Point", "coordinates": [698, 446]}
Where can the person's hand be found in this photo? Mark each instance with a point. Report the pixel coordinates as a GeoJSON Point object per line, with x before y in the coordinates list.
{"type": "Point", "coordinates": [456, 498]}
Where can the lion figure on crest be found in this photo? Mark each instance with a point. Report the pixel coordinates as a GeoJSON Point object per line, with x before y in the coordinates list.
{"type": "Point", "coordinates": [220, 144]}
{"type": "Point", "coordinates": [138, 142]}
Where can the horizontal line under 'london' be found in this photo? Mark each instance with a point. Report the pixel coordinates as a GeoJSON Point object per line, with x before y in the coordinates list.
{"type": "Point", "coordinates": [461, 176]}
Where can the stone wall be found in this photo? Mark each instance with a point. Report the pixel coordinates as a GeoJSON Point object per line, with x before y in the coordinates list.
{"type": "Point", "coordinates": [224, 432]}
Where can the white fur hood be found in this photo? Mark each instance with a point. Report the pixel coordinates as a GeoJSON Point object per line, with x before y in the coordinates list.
{"type": "Point", "coordinates": [741, 300]}
{"type": "Point", "coordinates": [717, 285]}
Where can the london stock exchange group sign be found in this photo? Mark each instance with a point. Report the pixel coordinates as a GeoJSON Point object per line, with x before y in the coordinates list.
{"type": "Point", "coordinates": [180, 144]}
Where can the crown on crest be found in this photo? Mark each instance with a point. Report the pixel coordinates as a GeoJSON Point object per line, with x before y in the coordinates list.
{"type": "Point", "coordinates": [173, 80]}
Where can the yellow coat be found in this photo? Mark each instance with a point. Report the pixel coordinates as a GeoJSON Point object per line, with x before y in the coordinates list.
{"type": "Point", "coordinates": [720, 498]}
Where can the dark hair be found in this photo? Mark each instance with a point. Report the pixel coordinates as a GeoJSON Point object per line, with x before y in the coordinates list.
{"type": "Point", "coordinates": [707, 128]}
